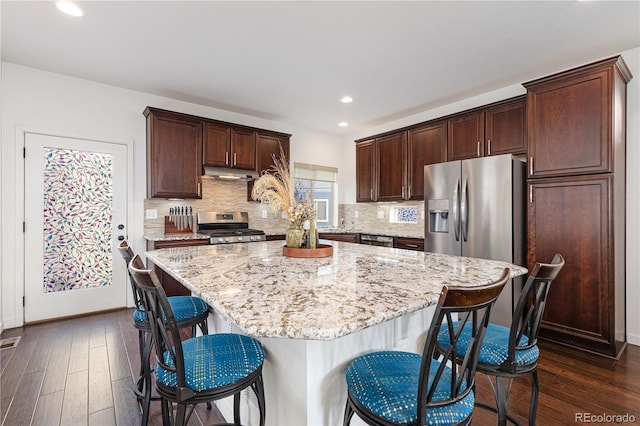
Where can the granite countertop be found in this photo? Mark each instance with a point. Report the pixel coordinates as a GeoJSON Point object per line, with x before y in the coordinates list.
{"type": "Point", "coordinates": [269, 295]}
{"type": "Point", "coordinates": [161, 236]}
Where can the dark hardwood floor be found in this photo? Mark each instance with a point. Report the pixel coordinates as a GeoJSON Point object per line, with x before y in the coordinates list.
{"type": "Point", "coordinates": [81, 371]}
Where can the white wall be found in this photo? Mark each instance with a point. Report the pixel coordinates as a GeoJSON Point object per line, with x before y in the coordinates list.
{"type": "Point", "coordinates": [47, 102]}
{"type": "Point", "coordinates": [632, 59]}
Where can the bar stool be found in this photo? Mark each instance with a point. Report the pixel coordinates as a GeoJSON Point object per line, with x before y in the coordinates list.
{"type": "Point", "coordinates": [190, 311]}
{"type": "Point", "coordinates": [201, 369]}
{"type": "Point", "coordinates": [510, 352]}
{"type": "Point", "coordinates": [403, 388]}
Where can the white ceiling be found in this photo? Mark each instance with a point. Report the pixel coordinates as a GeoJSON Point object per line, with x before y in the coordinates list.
{"type": "Point", "coordinates": [293, 61]}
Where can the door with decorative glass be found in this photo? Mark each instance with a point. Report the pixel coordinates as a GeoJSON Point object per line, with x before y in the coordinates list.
{"type": "Point", "coordinates": [75, 213]}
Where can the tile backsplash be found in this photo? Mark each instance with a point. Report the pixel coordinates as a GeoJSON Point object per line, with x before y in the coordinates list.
{"type": "Point", "coordinates": [218, 195]}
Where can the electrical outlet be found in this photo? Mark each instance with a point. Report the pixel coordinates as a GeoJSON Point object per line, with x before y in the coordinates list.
{"type": "Point", "coordinates": [151, 214]}
{"type": "Point", "coordinates": [264, 214]}
{"type": "Point", "coordinates": [356, 214]}
{"type": "Point", "coordinates": [380, 214]}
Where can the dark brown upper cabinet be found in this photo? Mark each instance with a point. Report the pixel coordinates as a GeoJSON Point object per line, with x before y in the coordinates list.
{"type": "Point", "coordinates": [505, 128]}
{"type": "Point", "coordinates": [179, 145]}
{"type": "Point", "coordinates": [492, 130]}
{"type": "Point", "coordinates": [572, 120]}
{"type": "Point", "coordinates": [391, 167]}
{"type": "Point", "coordinates": [174, 155]}
{"type": "Point", "coordinates": [465, 136]}
{"type": "Point", "coordinates": [391, 160]}
{"type": "Point", "coordinates": [268, 146]}
{"type": "Point", "coordinates": [365, 171]}
{"type": "Point", "coordinates": [228, 146]}
{"type": "Point", "coordinates": [425, 145]}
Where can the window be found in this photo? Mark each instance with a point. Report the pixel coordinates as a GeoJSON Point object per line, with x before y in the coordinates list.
{"type": "Point", "coordinates": [318, 185]}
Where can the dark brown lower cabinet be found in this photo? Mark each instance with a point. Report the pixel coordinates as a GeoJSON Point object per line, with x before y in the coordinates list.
{"type": "Point", "coordinates": [576, 217]}
{"type": "Point", "coordinates": [347, 237]}
{"type": "Point", "coordinates": [407, 243]}
{"type": "Point", "coordinates": [170, 285]}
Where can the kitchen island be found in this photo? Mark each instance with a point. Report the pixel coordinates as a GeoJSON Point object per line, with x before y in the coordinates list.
{"type": "Point", "coordinates": [314, 316]}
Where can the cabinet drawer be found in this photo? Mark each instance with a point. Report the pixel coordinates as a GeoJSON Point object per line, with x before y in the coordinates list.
{"type": "Point", "coordinates": [345, 237]}
{"type": "Point", "coordinates": [416, 244]}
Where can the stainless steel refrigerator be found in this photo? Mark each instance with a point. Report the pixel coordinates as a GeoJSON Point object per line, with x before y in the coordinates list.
{"type": "Point", "coordinates": [475, 208]}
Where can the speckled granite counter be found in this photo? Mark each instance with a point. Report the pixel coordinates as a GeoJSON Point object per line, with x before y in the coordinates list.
{"type": "Point", "coordinates": [269, 295]}
{"type": "Point", "coordinates": [161, 236]}
{"type": "Point", "coordinates": [313, 316]}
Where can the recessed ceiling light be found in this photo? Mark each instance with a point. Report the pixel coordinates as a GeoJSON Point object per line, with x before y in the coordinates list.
{"type": "Point", "coordinates": [69, 8]}
{"type": "Point", "coordinates": [346, 99]}
{"type": "Point", "coordinates": [343, 124]}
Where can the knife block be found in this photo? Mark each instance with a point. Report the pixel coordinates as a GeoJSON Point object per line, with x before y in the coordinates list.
{"type": "Point", "coordinates": [173, 228]}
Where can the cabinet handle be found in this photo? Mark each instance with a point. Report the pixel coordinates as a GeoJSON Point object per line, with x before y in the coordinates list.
{"type": "Point", "coordinates": [530, 166]}
{"type": "Point", "coordinates": [412, 245]}
{"type": "Point", "coordinates": [226, 157]}
{"type": "Point", "coordinates": [489, 147]}
{"type": "Point", "coordinates": [530, 194]}
{"type": "Point", "coordinates": [371, 195]}
{"type": "Point", "coordinates": [198, 188]}
{"type": "Point", "coordinates": [403, 192]}
{"type": "Point", "coordinates": [234, 159]}
{"type": "Point", "coordinates": [478, 149]}
{"type": "Point", "coordinates": [408, 192]}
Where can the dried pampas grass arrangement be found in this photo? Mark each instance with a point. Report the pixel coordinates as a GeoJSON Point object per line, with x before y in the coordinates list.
{"type": "Point", "coordinates": [274, 188]}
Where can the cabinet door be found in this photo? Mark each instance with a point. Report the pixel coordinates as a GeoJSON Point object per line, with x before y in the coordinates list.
{"type": "Point", "coordinates": [569, 125]}
{"type": "Point", "coordinates": [391, 160]}
{"type": "Point", "coordinates": [217, 145]}
{"type": "Point", "coordinates": [174, 155]}
{"type": "Point", "coordinates": [425, 145]}
{"type": "Point", "coordinates": [465, 136]}
{"type": "Point", "coordinates": [243, 149]}
{"type": "Point", "coordinates": [573, 217]}
{"type": "Point", "coordinates": [505, 128]}
{"type": "Point", "coordinates": [268, 146]}
{"type": "Point", "coordinates": [365, 171]}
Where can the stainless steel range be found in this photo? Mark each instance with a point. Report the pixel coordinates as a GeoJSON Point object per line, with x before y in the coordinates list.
{"type": "Point", "coordinates": [228, 228]}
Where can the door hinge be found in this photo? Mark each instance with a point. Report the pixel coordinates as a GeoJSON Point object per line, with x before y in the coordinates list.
{"type": "Point", "coordinates": [24, 226]}
{"type": "Point", "coordinates": [24, 152]}
{"type": "Point", "coordinates": [23, 301]}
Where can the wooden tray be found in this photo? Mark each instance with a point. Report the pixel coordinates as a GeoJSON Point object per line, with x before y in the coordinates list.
{"type": "Point", "coordinates": [322, 250]}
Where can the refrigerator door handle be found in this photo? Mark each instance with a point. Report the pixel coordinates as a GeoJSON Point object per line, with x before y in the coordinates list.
{"type": "Point", "coordinates": [464, 208]}
{"type": "Point", "coordinates": [454, 209]}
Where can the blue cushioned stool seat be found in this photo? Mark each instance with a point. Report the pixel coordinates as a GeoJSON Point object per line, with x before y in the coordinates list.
{"type": "Point", "coordinates": [184, 308]}
{"type": "Point", "coordinates": [386, 383]}
{"type": "Point", "coordinates": [495, 345]}
{"type": "Point", "coordinates": [214, 360]}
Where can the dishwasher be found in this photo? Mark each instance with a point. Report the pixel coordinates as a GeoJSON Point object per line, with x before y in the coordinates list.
{"type": "Point", "coordinates": [376, 240]}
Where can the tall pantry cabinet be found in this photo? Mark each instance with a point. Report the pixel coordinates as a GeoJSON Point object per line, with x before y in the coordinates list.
{"type": "Point", "coordinates": [576, 195]}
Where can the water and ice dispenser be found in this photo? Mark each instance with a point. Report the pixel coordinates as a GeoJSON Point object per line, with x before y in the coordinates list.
{"type": "Point", "coordinates": [438, 215]}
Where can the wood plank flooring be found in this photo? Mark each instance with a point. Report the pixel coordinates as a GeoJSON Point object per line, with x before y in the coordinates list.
{"type": "Point", "coordinates": [81, 372]}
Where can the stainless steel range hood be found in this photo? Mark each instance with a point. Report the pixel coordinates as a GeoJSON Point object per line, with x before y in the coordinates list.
{"type": "Point", "coordinates": [222, 173]}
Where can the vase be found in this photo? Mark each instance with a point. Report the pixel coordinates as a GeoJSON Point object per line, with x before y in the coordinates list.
{"type": "Point", "coordinates": [313, 234]}
{"type": "Point", "coordinates": [295, 236]}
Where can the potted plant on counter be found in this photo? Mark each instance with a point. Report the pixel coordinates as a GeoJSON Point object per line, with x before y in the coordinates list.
{"type": "Point", "coordinates": [274, 187]}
